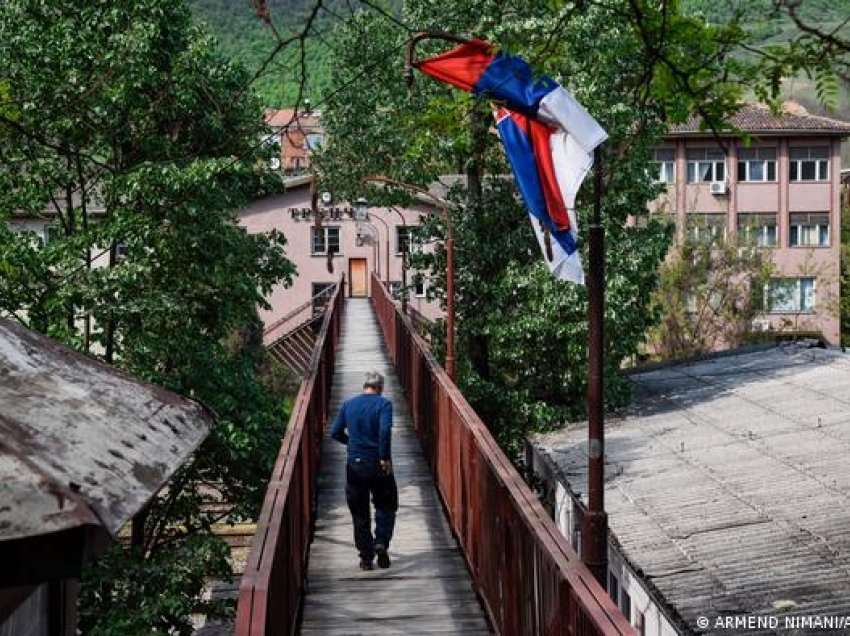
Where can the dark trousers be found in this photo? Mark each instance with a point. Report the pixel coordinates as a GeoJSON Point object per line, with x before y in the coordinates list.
{"type": "Point", "coordinates": [362, 478]}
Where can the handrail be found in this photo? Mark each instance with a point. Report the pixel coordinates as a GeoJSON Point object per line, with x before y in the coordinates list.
{"type": "Point", "coordinates": [298, 310]}
{"type": "Point", "coordinates": [273, 582]}
{"type": "Point", "coordinates": [528, 577]}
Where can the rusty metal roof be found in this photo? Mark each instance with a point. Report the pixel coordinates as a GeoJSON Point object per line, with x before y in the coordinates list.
{"type": "Point", "coordinates": [82, 443]}
{"type": "Point", "coordinates": [727, 482]}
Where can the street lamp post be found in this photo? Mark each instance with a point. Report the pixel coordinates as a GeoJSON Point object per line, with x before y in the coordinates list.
{"type": "Point", "coordinates": [404, 245]}
{"type": "Point", "coordinates": [443, 206]}
{"type": "Point", "coordinates": [595, 525]}
{"type": "Point", "coordinates": [361, 213]}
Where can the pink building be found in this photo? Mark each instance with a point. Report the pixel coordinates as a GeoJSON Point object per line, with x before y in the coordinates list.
{"type": "Point", "coordinates": [782, 192]}
{"type": "Point", "coordinates": [340, 244]}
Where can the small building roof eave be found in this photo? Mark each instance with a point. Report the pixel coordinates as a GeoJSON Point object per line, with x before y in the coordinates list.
{"type": "Point", "coordinates": [83, 447]}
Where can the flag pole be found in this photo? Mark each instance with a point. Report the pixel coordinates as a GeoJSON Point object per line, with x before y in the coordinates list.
{"type": "Point", "coordinates": [594, 539]}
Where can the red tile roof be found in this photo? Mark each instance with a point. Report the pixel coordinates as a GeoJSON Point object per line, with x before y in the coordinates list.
{"type": "Point", "coordinates": [759, 118]}
{"type": "Point", "coordinates": [284, 116]}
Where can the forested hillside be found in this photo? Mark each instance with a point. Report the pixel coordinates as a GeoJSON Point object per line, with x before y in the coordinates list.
{"type": "Point", "coordinates": [769, 29]}
{"type": "Point", "coordinates": [245, 38]}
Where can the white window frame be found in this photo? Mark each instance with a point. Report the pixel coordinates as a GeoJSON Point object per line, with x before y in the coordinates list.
{"type": "Point", "coordinates": [767, 161]}
{"type": "Point", "coordinates": [412, 245]}
{"type": "Point", "coordinates": [47, 230]}
{"type": "Point", "coordinates": [694, 165]}
{"type": "Point", "coordinates": [325, 229]}
{"type": "Point", "coordinates": [762, 236]}
{"type": "Point", "coordinates": [799, 296]}
{"type": "Point", "coordinates": [711, 229]}
{"type": "Point", "coordinates": [794, 233]}
{"type": "Point", "coordinates": [312, 143]}
{"type": "Point", "coordinates": [814, 154]}
{"type": "Point", "coordinates": [663, 169]}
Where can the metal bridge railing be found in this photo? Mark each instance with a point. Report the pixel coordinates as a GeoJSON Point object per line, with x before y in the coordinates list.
{"type": "Point", "coordinates": [530, 580]}
{"type": "Point", "coordinates": [272, 586]}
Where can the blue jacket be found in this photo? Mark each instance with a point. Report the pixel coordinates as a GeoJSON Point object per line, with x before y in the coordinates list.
{"type": "Point", "coordinates": [365, 424]}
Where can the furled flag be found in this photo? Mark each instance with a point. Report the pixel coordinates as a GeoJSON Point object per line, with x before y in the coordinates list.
{"type": "Point", "coordinates": [548, 138]}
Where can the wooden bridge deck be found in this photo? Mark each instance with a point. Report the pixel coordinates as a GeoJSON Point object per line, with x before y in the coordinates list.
{"type": "Point", "coordinates": [428, 589]}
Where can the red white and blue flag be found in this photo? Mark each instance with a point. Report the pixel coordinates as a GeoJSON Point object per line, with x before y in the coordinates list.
{"type": "Point", "coordinates": [548, 138]}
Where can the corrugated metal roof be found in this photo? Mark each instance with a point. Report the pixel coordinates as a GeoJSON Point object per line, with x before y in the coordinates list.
{"type": "Point", "coordinates": [82, 443]}
{"type": "Point", "coordinates": [728, 480]}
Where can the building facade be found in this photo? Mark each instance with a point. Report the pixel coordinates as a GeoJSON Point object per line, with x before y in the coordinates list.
{"type": "Point", "coordinates": [298, 135]}
{"type": "Point", "coordinates": [336, 244]}
{"type": "Point", "coordinates": [780, 192]}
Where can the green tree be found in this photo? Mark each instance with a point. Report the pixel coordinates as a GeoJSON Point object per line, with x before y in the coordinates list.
{"type": "Point", "coordinates": [709, 294]}
{"type": "Point", "coordinates": [522, 335]}
{"type": "Point", "coordinates": [123, 124]}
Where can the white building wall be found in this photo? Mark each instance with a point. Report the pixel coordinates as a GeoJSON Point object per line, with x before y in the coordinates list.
{"type": "Point", "coordinates": [567, 515]}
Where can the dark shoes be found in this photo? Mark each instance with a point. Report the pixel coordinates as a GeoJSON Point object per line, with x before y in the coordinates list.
{"type": "Point", "coordinates": [383, 557]}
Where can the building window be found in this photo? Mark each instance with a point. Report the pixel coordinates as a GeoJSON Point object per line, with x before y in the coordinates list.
{"type": "Point", "coordinates": [319, 302]}
{"type": "Point", "coordinates": [325, 239]}
{"type": "Point", "coordinates": [640, 623]}
{"type": "Point", "coordinates": [757, 230]}
{"type": "Point", "coordinates": [705, 165]}
{"type": "Point", "coordinates": [614, 588]}
{"type": "Point", "coordinates": [51, 233]}
{"type": "Point", "coordinates": [706, 228]}
{"type": "Point", "coordinates": [420, 286]}
{"type": "Point", "coordinates": [664, 165]}
{"type": "Point", "coordinates": [395, 289]}
{"type": "Point", "coordinates": [626, 605]}
{"type": "Point", "coordinates": [790, 295]}
{"type": "Point", "coordinates": [757, 164]}
{"type": "Point", "coordinates": [809, 230]}
{"type": "Point", "coordinates": [313, 141]}
{"type": "Point", "coordinates": [809, 164]}
{"type": "Point", "coordinates": [403, 236]}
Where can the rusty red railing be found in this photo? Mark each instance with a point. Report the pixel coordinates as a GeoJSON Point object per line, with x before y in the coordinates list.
{"type": "Point", "coordinates": [529, 579]}
{"type": "Point", "coordinates": [273, 583]}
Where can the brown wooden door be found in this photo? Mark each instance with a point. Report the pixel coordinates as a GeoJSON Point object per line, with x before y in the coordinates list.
{"type": "Point", "coordinates": [357, 277]}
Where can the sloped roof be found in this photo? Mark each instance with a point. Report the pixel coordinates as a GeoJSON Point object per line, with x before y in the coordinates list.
{"type": "Point", "coordinates": [287, 116]}
{"type": "Point", "coordinates": [82, 443]}
{"type": "Point", "coordinates": [727, 482]}
{"type": "Point", "coordinates": [759, 118]}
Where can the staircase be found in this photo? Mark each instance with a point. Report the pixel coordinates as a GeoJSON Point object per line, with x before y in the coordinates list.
{"type": "Point", "coordinates": [295, 347]}
{"type": "Point", "coordinates": [291, 339]}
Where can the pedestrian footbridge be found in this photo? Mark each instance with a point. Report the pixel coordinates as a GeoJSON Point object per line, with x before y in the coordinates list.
{"type": "Point", "coordinates": [474, 552]}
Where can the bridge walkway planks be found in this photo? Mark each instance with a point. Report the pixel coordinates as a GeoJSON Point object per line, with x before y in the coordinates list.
{"type": "Point", "coordinates": [428, 589]}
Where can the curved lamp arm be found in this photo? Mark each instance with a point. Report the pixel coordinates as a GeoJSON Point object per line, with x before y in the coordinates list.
{"type": "Point", "coordinates": [415, 39]}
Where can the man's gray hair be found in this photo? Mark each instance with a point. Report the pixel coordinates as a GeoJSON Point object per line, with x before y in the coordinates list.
{"type": "Point", "coordinates": [374, 380]}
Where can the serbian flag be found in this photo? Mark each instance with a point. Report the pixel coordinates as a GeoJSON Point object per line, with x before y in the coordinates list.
{"type": "Point", "coordinates": [548, 138]}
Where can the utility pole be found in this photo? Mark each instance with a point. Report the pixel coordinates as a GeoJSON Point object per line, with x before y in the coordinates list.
{"type": "Point", "coordinates": [594, 539]}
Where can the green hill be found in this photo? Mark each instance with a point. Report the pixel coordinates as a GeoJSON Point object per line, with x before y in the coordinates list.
{"type": "Point", "coordinates": [245, 38]}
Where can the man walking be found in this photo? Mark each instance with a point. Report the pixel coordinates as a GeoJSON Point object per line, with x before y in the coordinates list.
{"type": "Point", "coordinates": [365, 424]}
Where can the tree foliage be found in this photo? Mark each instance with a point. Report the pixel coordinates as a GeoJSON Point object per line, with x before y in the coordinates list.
{"type": "Point", "coordinates": [124, 126]}
{"type": "Point", "coordinates": [710, 293]}
{"type": "Point", "coordinates": [636, 65]}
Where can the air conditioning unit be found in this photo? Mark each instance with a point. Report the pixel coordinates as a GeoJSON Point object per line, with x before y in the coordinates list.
{"type": "Point", "coordinates": [718, 187]}
{"type": "Point", "coordinates": [761, 325]}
